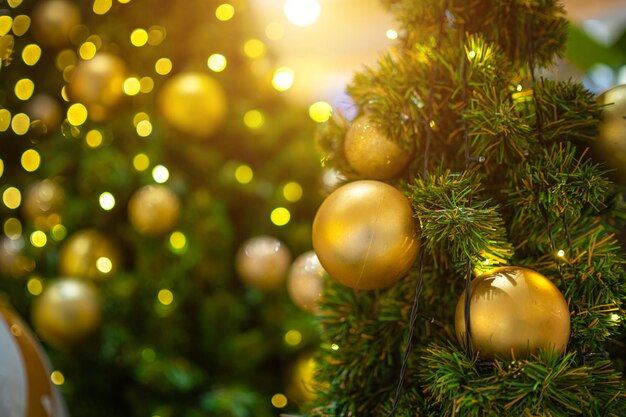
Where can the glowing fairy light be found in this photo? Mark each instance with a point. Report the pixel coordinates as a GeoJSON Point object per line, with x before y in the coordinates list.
{"type": "Point", "coordinates": [302, 12]}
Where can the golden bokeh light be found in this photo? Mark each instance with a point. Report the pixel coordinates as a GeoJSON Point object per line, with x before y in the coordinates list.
{"type": "Point", "coordinates": [66, 58]}
{"type": "Point", "coordinates": [34, 286]}
{"type": "Point", "coordinates": [102, 6]}
{"type": "Point", "coordinates": [38, 239]}
{"type": "Point", "coordinates": [244, 174]}
{"type": "Point", "coordinates": [132, 86]}
{"type": "Point", "coordinates": [30, 160]}
{"type": "Point", "coordinates": [391, 34]}
{"type": "Point", "coordinates": [1, 167]}
{"type": "Point", "coordinates": [21, 24]}
{"type": "Point", "coordinates": [156, 35]}
{"type": "Point", "coordinates": [57, 377]}
{"type": "Point", "coordinates": [254, 48]}
{"type": "Point", "coordinates": [274, 31]}
{"type": "Point", "coordinates": [77, 114]}
{"type": "Point", "coordinates": [320, 111]}
{"type": "Point", "coordinates": [292, 191]}
{"type": "Point", "coordinates": [144, 128]}
{"type": "Point", "coordinates": [224, 12]}
{"type": "Point", "coordinates": [6, 22]}
{"type": "Point", "coordinates": [12, 198]}
{"type": "Point", "coordinates": [104, 264]}
{"type": "Point", "coordinates": [59, 232]}
{"type": "Point", "coordinates": [146, 84]}
{"type": "Point", "coordinates": [279, 400]}
{"type": "Point", "coordinates": [163, 66]}
{"type": "Point", "coordinates": [31, 54]}
{"type": "Point", "coordinates": [293, 337]}
{"type": "Point", "coordinates": [20, 124]}
{"type": "Point", "coordinates": [14, 3]}
{"type": "Point", "coordinates": [302, 12]}
{"type": "Point", "coordinates": [87, 50]}
{"type": "Point", "coordinates": [166, 297]}
{"type": "Point", "coordinates": [283, 79]}
{"type": "Point", "coordinates": [13, 228]}
{"type": "Point", "coordinates": [141, 162]}
{"type": "Point", "coordinates": [24, 89]}
{"type": "Point", "coordinates": [178, 242]}
{"type": "Point", "coordinates": [139, 37]}
{"type": "Point", "coordinates": [94, 138]}
{"type": "Point", "coordinates": [280, 216]}
{"type": "Point", "coordinates": [5, 119]}
{"type": "Point", "coordinates": [138, 117]}
{"type": "Point", "coordinates": [253, 119]}
{"type": "Point", "coordinates": [160, 174]}
{"type": "Point", "coordinates": [217, 62]}
{"type": "Point", "coordinates": [107, 201]}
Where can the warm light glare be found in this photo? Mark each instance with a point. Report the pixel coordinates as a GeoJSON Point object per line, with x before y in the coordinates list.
{"type": "Point", "coordinates": [253, 119]}
{"type": "Point", "coordinates": [31, 54]}
{"type": "Point", "coordinates": [244, 174]}
{"type": "Point", "coordinates": [139, 117]}
{"type": "Point", "coordinates": [293, 337]}
{"type": "Point", "coordinates": [274, 31]}
{"type": "Point", "coordinates": [163, 66]}
{"type": "Point", "coordinates": [107, 201]}
{"type": "Point", "coordinates": [1, 167]}
{"type": "Point", "coordinates": [178, 241]}
{"type": "Point", "coordinates": [320, 111]}
{"type": "Point", "coordinates": [13, 228]}
{"type": "Point", "coordinates": [283, 79]}
{"type": "Point", "coordinates": [254, 48]}
{"type": "Point", "coordinates": [160, 174]}
{"type": "Point", "coordinates": [141, 162]}
{"type": "Point", "coordinates": [144, 128]}
{"type": "Point", "coordinates": [302, 12]}
{"type": "Point", "coordinates": [392, 34]}
{"type": "Point", "coordinates": [280, 216]}
{"type": "Point", "coordinates": [225, 12]}
{"type": "Point", "coordinates": [132, 86]}
{"type": "Point", "coordinates": [104, 265]}
{"type": "Point", "coordinates": [34, 286]}
{"type": "Point", "coordinates": [77, 114]}
{"type": "Point", "coordinates": [279, 400]}
{"type": "Point", "coordinates": [217, 62]}
{"type": "Point", "coordinates": [38, 239]}
{"type": "Point", "coordinates": [166, 297]}
{"type": "Point", "coordinates": [87, 50]}
{"type": "Point", "coordinates": [292, 191]}
{"type": "Point", "coordinates": [334, 346]}
{"type": "Point", "coordinates": [31, 160]}
{"type": "Point", "coordinates": [614, 317]}
{"type": "Point", "coordinates": [24, 89]}
{"type": "Point", "coordinates": [57, 378]}
{"type": "Point", "coordinates": [93, 138]}
{"type": "Point", "coordinates": [561, 253]}
{"type": "Point", "coordinates": [12, 198]}
{"type": "Point", "coordinates": [59, 232]}
{"type": "Point", "coordinates": [139, 37]}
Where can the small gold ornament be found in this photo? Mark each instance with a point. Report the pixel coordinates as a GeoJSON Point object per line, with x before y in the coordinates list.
{"type": "Point", "coordinates": [154, 210]}
{"type": "Point", "coordinates": [98, 84]}
{"type": "Point", "coordinates": [42, 203]}
{"type": "Point", "coordinates": [365, 236]}
{"type": "Point", "coordinates": [610, 144]}
{"type": "Point", "coordinates": [514, 312]}
{"type": "Point", "coordinates": [46, 109]}
{"type": "Point", "coordinates": [193, 103]}
{"type": "Point", "coordinates": [67, 312]}
{"type": "Point", "coordinates": [88, 254]}
{"type": "Point", "coordinates": [53, 21]}
{"type": "Point", "coordinates": [25, 376]}
{"type": "Point", "coordinates": [262, 262]}
{"type": "Point", "coordinates": [305, 281]}
{"type": "Point", "coordinates": [371, 153]}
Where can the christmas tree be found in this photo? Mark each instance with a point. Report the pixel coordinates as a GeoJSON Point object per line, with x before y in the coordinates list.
{"type": "Point", "coordinates": [142, 145]}
{"type": "Point", "coordinates": [475, 264]}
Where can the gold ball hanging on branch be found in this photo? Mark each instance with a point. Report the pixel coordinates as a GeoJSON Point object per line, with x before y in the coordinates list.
{"type": "Point", "coordinates": [193, 103]}
{"type": "Point", "coordinates": [53, 21]}
{"type": "Point", "coordinates": [98, 83]}
{"type": "Point", "coordinates": [514, 312]}
{"type": "Point", "coordinates": [262, 262]}
{"type": "Point", "coordinates": [88, 254]}
{"type": "Point", "coordinates": [42, 202]}
{"type": "Point", "coordinates": [365, 235]}
{"type": "Point", "coordinates": [371, 153]}
{"type": "Point", "coordinates": [25, 378]}
{"type": "Point", "coordinates": [610, 144]}
{"type": "Point", "coordinates": [305, 281]}
{"type": "Point", "coordinates": [154, 210]}
{"type": "Point", "coordinates": [67, 312]}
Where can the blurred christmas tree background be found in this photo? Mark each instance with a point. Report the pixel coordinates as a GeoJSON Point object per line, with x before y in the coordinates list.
{"type": "Point", "coordinates": [143, 144]}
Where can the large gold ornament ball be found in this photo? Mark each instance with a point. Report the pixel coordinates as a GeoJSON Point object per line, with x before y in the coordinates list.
{"type": "Point", "coordinates": [154, 210]}
{"type": "Point", "coordinates": [88, 254]}
{"type": "Point", "coordinates": [365, 235]}
{"type": "Point", "coordinates": [53, 21]}
{"type": "Point", "coordinates": [194, 103]}
{"type": "Point", "coordinates": [371, 153]}
{"type": "Point", "coordinates": [42, 202]}
{"type": "Point", "coordinates": [98, 83]}
{"type": "Point", "coordinates": [262, 262]}
{"type": "Point", "coordinates": [27, 390]}
{"type": "Point", "coordinates": [67, 312]}
{"type": "Point", "coordinates": [305, 281]}
{"type": "Point", "coordinates": [610, 144]}
{"type": "Point", "coordinates": [514, 312]}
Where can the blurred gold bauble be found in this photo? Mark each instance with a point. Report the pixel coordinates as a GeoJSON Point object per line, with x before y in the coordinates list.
{"type": "Point", "coordinates": [193, 103]}
{"type": "Point", "coordinates": [262, 262]}
{"type": "Point", "coordinates": [154, 210]}
{"type": "Point", "coordinates": [53, 21]}
{"type": "Point", "coordinates": [365, 236]}
{"type": "Point", "coordinates": [13, 262]}
{"type": "Point", "coordinates": [67, 311]}
{"type": "Point", "coordinates": [610, 144]}
{"type": "Point", "coordinates": [24, 372]}
{"type": "Point", "coordinates": [306, 281]}
{"type": "Point", "coordinates": [45, 108]}
{"type": "Point", "coordinates": [98, 84]}
{"type": "Point", "coordinates": [301, 379]}
{"type": "Point", "coordinates": [514, 312]}
{"type": "Point", "coordinates": [88, 254]}
{"type": "Point", "coordinates": [371, 153]}
{"type": "Point", "coordinates": [42, 203]}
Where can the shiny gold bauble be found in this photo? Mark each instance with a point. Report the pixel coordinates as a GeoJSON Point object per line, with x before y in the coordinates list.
{"type": "Point", "coordinates": [365, 235]}
{"type": "Point", "coordinates": [46, 109]}
{"type": "Point", "coordinates": [53, 21]}
{"type": "Point", "coordinates": [262, 262]}
{"type": "Point", "coordinates": [610, 144]}
{"type": "Point", "coordinates": [88, 254]}
{"type": "Point", "coordinates": [154, 210]}
{"type": "Point", "coordinates": [67, 312]}
{"type": "Point", "coordinates": [514, 312]}
{"type": "Point", "coordinates": [42, 202]}
{"type": "Point", "coordinates": [13, 262]}
{"type": "Point", "coordinates": [194, 103]}
{"type": "Point", "coordinates": [305, 281]}
{"type": "Point", "coordinates": [371, 153]}
{"type": "Point", "coordinates": [98, 84]}
{"type": "Point", "coordinates": [24, 372]}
